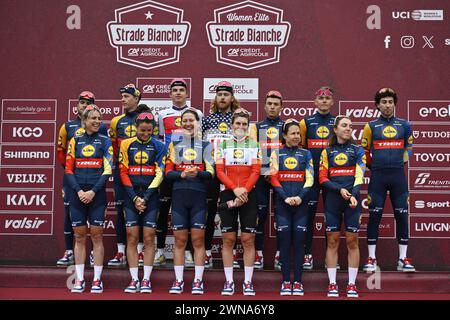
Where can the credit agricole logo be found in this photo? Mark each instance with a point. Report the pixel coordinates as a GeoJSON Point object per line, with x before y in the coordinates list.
{"type": "Point", "coordinates": [248, 34]}
{"type": "Point", "coordinates": [148, 34]}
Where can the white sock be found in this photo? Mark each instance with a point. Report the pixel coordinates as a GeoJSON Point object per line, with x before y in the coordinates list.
{"type": "Point", "coordinates": [140, 247]}
{"type": "Point", "coordinates": [332, 274]}
{"type": "Point", "coordinates": [248, 271]}
{"type": "Point", "coordinates": [147, 272]}
{"type": "Point", "coordinates": [121, 247]}
{"type": "Point", "coordinates": [199, 272]}
{"type": "Point", "coordinates": [98, 272]}
{"type": "Point", "coordinates": [80, 271]}
{"type": "Point", "coordinates": [179, 272]}
{"type": "Point", "coordinates": [134, 273]}
{"type": "Point", "coordinates": [402, 248]}
{"type": "Point", "coordinates": [208, 252]}
{"type": "Point", "coordinates": [352, 273]}
{"type": "Point", "coordinates": [372, 248]}
{"type": "Point", "coordinates": [259, 253]}
{"type": "Point", "coordinates": [228, 273]}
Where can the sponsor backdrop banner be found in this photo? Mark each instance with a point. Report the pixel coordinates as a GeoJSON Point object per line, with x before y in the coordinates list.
{"type": "Point", "coordinates": [59, 49]}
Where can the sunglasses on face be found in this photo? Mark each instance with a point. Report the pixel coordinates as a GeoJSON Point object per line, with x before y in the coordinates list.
{"type": "Point", "coordinates": [146, 116]}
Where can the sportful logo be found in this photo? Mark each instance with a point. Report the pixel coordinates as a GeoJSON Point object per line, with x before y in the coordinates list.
{"type": "Point", "coordinates": [148, 34]}
{"type": "Point", "coordinates": [248, 34]}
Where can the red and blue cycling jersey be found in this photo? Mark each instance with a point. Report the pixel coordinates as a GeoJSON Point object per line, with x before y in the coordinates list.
{"type": "Point", "coordinates": [89, 161]}
{"type": "Point", "coordinates": [342, 166]}
{"type": "Point", "coordinates": [387, 143]}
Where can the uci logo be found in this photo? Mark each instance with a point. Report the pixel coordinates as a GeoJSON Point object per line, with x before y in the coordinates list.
{"type": "Point", "coordinates": [238, 154]}
{"type": "Point", "coordinates": [341, 159]}
{"type": "Point", "coordinates": [190, 154]}
{"type": "Point", "coordinates": [272, 133]}
{"type": "Point", "coordinates": [223, 127]}
{"type": "Point", "coordinates": [322, 132]}
{"type": "Point", "coordinates": [389, 132]}
{"type": "Point", "coordinates": [178, 122]}
{"type": "Point", "coordinates": [79, 132]}
{"type": "Point", "coordinates": [290, 163]}
{"type": "Point", "coordinates": [130, 131]}
{"type": "Point", "coordinates": [141, 157]}
{"type": "Point", "coordinates": [88, 151]}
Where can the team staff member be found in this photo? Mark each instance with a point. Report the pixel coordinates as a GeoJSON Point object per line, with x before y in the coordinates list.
{"type": "Point", "coordinates": [123, 127]}
{"type": "Point", "coordinates": [342, 167]}
{"type": "Point", "coordinates": [141, 171]}
{"type": "Point", "coordinates": [387, 142]}
{"type": "Point", "coordinates": [315, 132]}
{"type": "Point", "coordinates": [88, 167]}
{"type": "Point", "coordinates": [238, 166]}
{"type": "Point", "coordinates": [269, 135]}
{"type": "Point", "coordinates": [67, 131]}
{"type": "Point", "coordinates": [189, 166]}
{"type": "Point", "coordinates": [292, 179]}
{"type": "Point", "coordinates": [216, 127]}
{"type": "Point", "coordinates": [169, 123]}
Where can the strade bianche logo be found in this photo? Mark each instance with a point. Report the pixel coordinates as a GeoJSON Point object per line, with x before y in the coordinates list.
{"type": "Point", "coordinates": [148, 34]}
{"type": "Point", "coordinates": [248, 34]}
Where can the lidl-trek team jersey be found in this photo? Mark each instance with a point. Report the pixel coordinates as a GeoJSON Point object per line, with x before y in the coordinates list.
{"type": "Point", "coordinates": [141, 166]}
{"type": "Point", "coordinates": [89, 161]}
{"type": "Point", "coordinates": [387, 143]}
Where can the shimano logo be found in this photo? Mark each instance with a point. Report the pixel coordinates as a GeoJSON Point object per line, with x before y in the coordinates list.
{"type": "Point", "coordinates": [442, 112]}
{"type": "Point", "coordinates": [27, 155]}
{"type": "Point", "coordinates": [24, 223]}
{"type": "Point", "coordinates": [27, 132]}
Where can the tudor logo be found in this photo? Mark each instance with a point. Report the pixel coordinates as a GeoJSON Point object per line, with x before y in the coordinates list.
{"type": "Point", "coordinates": [389, 132]}
{"type": "Point", "coordinates": [190, 154]}
{"type": "Point", "coordinates": [323, 132]}
{"type": "Point", "coordinates": [319, 226]}
{"type": "Point", "coordinates": [27, 132]}
{"type": "Point", "coordinates": [88, 150]}
{"type": "Point", "coordinates": [341, 159]}
{"type": "Point", "coordinates": [290, 163]}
